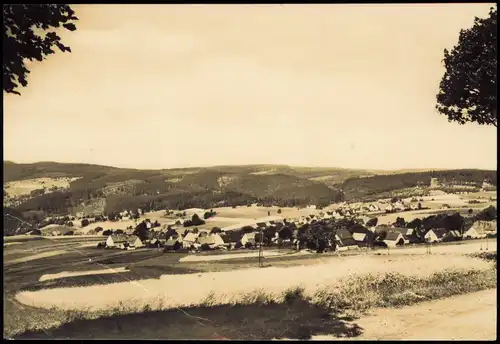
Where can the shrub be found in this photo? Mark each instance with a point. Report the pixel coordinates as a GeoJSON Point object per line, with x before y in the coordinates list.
{"type": "Point", "coordinates": [107, 232]}
{"type": "Point", "coordinates": [209, 214]}
{"type": "Point", "coordinates": [293, 294]}
{"type": "Point", "coordinates": [85, 222]}
{"type": "Point", "coordinates": [359, 293]}
{"type": "Point", "coordinates": [195, 221]}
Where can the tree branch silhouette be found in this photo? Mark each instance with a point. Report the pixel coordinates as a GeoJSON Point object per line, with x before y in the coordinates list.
{"type": "Point", "coordinates": [27, 34]}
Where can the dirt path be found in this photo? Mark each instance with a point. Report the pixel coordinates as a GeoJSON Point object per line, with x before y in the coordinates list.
{"type": "Point", "coordinates": [465, 317]}
{"type": "Point", "coordinates": [206, 258]}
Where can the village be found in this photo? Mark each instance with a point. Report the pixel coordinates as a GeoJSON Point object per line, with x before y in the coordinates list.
{"type": "Point", "coordinates": [384, 224]}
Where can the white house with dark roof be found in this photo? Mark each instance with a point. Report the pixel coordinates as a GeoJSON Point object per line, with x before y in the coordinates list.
{"type": "Point", "coordinates": [248, 238]}
{"type": "Point", "coordinates": [394, 238]}
{"type": "Point", "coordinates": [212, 240]}
{"type": "Point", "coordinates": [435, 235]}
{"type": "Point", "coordinates": [123, 241]}
{"type": "Point", "coordinates": [190, 239]}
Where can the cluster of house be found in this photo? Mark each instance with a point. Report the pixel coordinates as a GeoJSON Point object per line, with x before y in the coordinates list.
{"type": "Point", "coordinates": [344, 239]}
{"type": "Point", "coordinates": [401, 236]}
{"type": "Point", "coordinates": [190, 240]}
{"type": "Point", "coordinates": [379, 206]}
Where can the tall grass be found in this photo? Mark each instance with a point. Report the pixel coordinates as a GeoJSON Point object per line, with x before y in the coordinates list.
{"type": "Point", "coordinates": [358, 294]}
{"type": "Point", "coordinates": [488, 256]}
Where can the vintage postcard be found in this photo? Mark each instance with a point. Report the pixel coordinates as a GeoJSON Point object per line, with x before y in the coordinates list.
{"type": "Point", "coordinates": [250, 172]}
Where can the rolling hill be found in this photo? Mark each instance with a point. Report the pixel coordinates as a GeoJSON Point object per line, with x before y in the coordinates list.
{"type": "Point", "coordinates": [106, 189]}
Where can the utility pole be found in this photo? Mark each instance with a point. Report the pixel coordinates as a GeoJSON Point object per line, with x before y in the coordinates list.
{"type": "Point", "coordinates": [261, 252]}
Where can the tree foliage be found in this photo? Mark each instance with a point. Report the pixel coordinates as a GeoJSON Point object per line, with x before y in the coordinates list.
{"type": "Point", "coordinates": [27, 35]}
{"type": "Point", "coordinates": [487, 214]}
{"type": "Point", "coordinates": [195, 221]}
{"type": "Point", "coordinates": [142, 231]}
{"type": "Point", "coordinates": [215, 230]}
{"type": "Point", "coordinates": [468, 90]}
{"type": "Point", "coordinates": [372, 222]}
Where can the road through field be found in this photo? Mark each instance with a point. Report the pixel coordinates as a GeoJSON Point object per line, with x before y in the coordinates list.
{"type": "Point", "coordinates": [465, 317]}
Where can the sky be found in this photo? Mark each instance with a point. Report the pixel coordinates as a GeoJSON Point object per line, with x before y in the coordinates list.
{"type": "Point", "coordinates": [165, 86]}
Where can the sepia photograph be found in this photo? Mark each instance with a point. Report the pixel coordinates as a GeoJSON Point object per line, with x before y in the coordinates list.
{"type": "Point", "coordinates": [250, 171]}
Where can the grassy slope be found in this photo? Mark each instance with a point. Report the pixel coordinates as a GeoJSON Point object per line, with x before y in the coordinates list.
{"type": "Point", "coordinates": [263, 316]}
{"type": "Point", "coordinates": [245, 321]}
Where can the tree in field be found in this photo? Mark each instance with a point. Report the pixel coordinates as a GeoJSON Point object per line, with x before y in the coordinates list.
{"type": "Point", "coordinates": [468, 90]}
{"type": "Point", "coordinates": [453, 222]}
{"type": "Point", "coordinates": [27, 35]}
{"type": "Point", "coordinates": [196, 221]}
{"type": "Point", "coordinates": [142, 231]}
{"type": "Point", "coordinates": [400, 222]}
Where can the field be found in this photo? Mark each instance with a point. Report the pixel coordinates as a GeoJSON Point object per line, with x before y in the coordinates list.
{"type": "Point", "coordinates": [68, 295]}
{"type": "Point", "coordinates": [386, 219]}
{"type": "Point", "coordinates": [227, 218]}
{"type": "Point", "coordinates": [25, 187]}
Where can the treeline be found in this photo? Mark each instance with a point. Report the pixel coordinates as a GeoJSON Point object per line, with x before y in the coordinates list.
{"type": "Point", "coordinates": [449, 222]}
{"type": "Point", "coordinates": [59, 202]}
{"type": "Point", "coordinates": [205, 200]}
{"type": "Point", "coordinates": [13, 171]}
{"type": "Point", "coordinates": [357, 188]}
